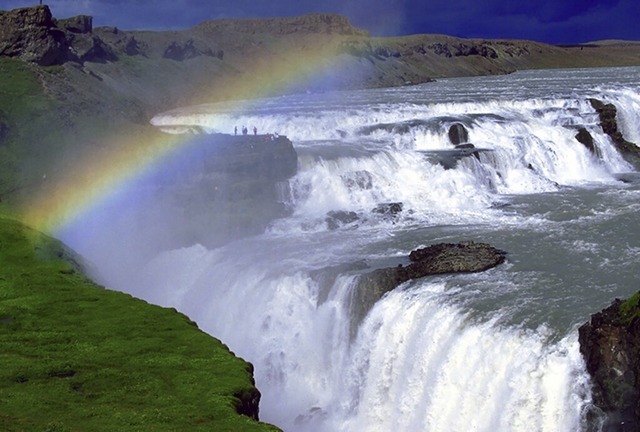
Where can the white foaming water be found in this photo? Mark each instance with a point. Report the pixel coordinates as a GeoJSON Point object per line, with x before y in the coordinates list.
{"type": "Point", "coordinates": [417, 363]}
{"type": "Point", "coordinates": [494, 351]}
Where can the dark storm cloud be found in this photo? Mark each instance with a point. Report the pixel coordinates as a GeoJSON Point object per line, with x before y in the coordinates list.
{"type": "Point", "coordinates": [553, 21]}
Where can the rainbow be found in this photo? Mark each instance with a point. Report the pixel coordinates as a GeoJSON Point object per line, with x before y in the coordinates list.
{"type": "Point", "coordinates": [132, 153]}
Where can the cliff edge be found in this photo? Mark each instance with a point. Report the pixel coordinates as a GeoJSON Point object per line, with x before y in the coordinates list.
{"type": "Point", "coordinates": [610, 345]}
{"type": "Point", "coordinates": [76, 356]}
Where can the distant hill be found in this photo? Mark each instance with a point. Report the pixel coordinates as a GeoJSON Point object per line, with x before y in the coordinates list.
{"type": "Point", "coordinates": [75, 74]}
{"type": "Point", "coordinates": [613, 42]}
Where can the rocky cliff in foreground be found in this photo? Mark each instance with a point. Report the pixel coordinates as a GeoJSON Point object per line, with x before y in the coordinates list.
{"type": "Point", "coordinates": [610, 345]}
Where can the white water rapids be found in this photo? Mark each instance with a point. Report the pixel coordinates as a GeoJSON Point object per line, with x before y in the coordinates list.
{"type": "Point", "coordinates": [493, 351]}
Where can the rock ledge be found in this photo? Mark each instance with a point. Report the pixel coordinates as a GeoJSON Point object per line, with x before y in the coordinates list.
{"type": "Point", "coordinates": [441, 258]}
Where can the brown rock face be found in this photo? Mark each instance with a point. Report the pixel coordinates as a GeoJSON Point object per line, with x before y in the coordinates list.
{"type": "Point", "coordinates": [610, 345]}
{"type": "Point", "coordinates": [31, 34]}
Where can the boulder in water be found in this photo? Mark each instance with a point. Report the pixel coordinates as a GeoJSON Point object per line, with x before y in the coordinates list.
{"type": "Point", "coordinates": [441, 258]}
{"type": "Point", "coordinates": [609, 124]}
{"type": "Point", "coordinates": [337, 218]}
{"type": "Point", "coordinates": [458, 134]}
{"type": "Point", "coordinates": [388, 209]}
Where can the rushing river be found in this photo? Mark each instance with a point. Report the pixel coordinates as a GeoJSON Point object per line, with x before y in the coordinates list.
{"type": "Point", "coordinates": [491, 351]}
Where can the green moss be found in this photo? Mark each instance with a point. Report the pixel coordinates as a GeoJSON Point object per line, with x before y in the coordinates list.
{"type": "Point", "coordinates": [78, 357]}
{"type": "Point", "coordinates": [630, 308]}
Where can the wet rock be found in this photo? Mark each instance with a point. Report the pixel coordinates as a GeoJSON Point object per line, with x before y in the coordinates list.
{"type": "Point", "coordinates": [610, 345]}
{"type": "Point", "coordinates": [584, 137]}
{"type": "Point", "coordinates": [458, 134]}
{"type": "Point", "coordinates": [452, 258]}
{"type": "Point", "coordinates": [437, 259]}
{"type": "Point", "coordinates": [337, 218]}
{"type": "Point", "coordinates": [388, 209]}
{"type": "Point", "coordinates": [465, 146]}
{"type": "Point", "coordinates": [609, 124]}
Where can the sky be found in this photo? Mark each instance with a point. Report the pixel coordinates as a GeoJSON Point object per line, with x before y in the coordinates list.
{"type": "Point", "coordinates": [550, 21]}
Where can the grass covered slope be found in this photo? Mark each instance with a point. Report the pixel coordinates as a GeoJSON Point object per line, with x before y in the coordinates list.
{"type": "Point", "coordinates": [77, 357]}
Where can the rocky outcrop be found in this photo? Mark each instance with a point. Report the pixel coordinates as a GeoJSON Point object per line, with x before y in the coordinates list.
{"type": "Point", "coordinates": [365, 49]}
{"type": "Point", "coordinates": [610, 345]}
{"type": "Point", "coordinates": [437, 259]}
{"type": "Point", "coordinates": [86, 47]}
{"type": "Point", "coordinates": [185, 50]}
{"type": "Point", "coordinates": [82, 24]}
{"type": "Point", "coordinates": [311, 23]}
{"type": "Point", "coordinates": [609, 124]}
{"type": "Point", "coordinates": [463, 50]}
{"type": "Point", "coordinates": [31, 35]}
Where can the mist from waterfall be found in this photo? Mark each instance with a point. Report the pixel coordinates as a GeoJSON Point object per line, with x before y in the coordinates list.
{"type": "Point", "coordinates": [492, 351]}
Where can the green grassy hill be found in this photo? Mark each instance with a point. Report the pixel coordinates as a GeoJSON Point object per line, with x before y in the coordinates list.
{"type": "Point", "coordinates": [78, 357]}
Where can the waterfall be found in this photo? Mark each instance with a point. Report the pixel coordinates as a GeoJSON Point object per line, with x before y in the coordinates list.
{"type": "Point", "coordinates": [451, 353]}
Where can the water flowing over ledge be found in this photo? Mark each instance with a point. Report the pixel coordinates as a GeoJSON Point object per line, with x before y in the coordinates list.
{"type": "Point", "coordinates": [496, 350]}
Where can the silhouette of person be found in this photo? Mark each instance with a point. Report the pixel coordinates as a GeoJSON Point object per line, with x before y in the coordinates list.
{"type": "Point", "coordinates": [235, 130]}
{"type": "Point", "coordinates": [255, 130]}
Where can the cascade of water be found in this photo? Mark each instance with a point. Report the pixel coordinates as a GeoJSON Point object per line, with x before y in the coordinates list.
{"type": "Point", "coordinates": [420, 360]}
{"type": "Point", "coordinates": [417, 363]}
